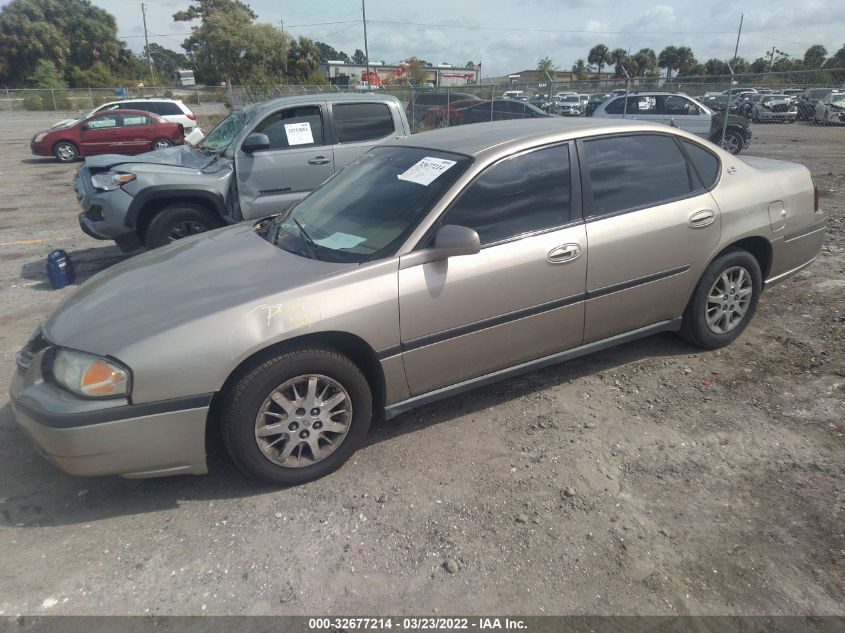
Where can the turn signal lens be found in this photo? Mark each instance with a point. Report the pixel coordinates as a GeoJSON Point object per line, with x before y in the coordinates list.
{"type": "Point", "coordinates": [90, 376]}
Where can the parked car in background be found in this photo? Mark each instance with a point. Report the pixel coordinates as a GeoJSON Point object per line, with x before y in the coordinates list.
{"type": "Point", "coordinates": [257, 161]}
{"type": "Point", "coordinates": [519, 95]}
{"type": "Point", "coordinates": [112, 132]}
{"type": "Point", "coordinates": [499, 110]}
{"type": "Point", "coordinates": [809, 99]}
{"type": "Point", "coordinates": [172, 110]}
{"type": "Point", "coordinates": [542, 101]}
{"type": "Point", "coordinates": [448, 115]}
{"type": "Point", "coordinates": [681, 111]}
{"type": "Point", "coordinates": [774, 107]}
{"type": "Point", "coordinates": [831, 109]}
{"type": "Point", "coordinates": [422, 102]}
{"type": "Point", "coordinates": [745, 105]}
{"type": "Point", "coordinates": [594, 101]}
{"type": "Point", "coordinates": [503, 248]}
{"type": "Point", "coordinates": [717, 103]}
{"type": "Point", "coordinates": [570, 105]}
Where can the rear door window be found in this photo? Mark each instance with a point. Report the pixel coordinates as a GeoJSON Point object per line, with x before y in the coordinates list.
{"type": "Point", "coordinates": [166, 108]}
{"type": "Point", "coordinates": [136, 119]}
{"type": "Point", "coordinates": [635, 171]}
{"type": "Point", "coordinates": [293, 127]}
{"type": "Point", "coordinates": [356, 122]}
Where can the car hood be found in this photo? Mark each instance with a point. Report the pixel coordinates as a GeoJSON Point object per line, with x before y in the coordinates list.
{"type": "Point", "coordinates": [178, 156]}
{"type": "Point", "coordinates": [175, 285]}
{"type": "Point", "coordinates": [63, 123]}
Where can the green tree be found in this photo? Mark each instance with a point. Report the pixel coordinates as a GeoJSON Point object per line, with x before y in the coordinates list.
{"type": "Point", "coordinates": [546, 70]}
{"type": "Point", "coordinates": [417, 72]}
{"type": "Point", "coordinates": [68, 33]}
{"type": "Point", "coordinates": [358, 57]}
{"type": "Point", "coordinates": [645, 62]}
{"type": "Point", "coordinates": [815, 57]}
{"type": "Point", "coordinates": [470, 64]}
{"type": "Point", "coordinates": [669, 60]}
{"type": "Point", "coordinates": [686, 60]}
{"type": "Point", "coordinates": [599, 56]}
{"type": "Point", "coordinates": [579, 69]}
{"type": "Point", "coordinates": [618, 57]}
{"type": "Point", "coordinates": [716, 68]}
{"type": "Point", "coordinates": [165, 61]}
{"type": "Point", "coordinates": [303, 60]}
{"type": "Point", "coordinates": [327, 53]}
{"type": "Point", "coordinates": [837, 60]}
{"type": "Point", "coordinates": [46, 75]}
{"type": "Point", "coordinates": [97, 76]}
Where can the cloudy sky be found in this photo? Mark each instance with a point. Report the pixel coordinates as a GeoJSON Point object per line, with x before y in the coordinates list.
{"type": "Point", "coordinates": [511, 35]}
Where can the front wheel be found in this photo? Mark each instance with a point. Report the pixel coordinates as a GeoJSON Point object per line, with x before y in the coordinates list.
{"type": "Point", "coordinates": [178, 221]}
{"type": "Point", "coordinates": [732, 143]}
{"type": "Point", "coordinates": [297, 417]}
{"type": "Point", "coordinates": [724, 301]}
{"type": "Point", "coordinates": [65, 152]}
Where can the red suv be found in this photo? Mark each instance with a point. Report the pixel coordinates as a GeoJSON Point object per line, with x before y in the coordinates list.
{"type": "Point", "coordinates": [113, 132]}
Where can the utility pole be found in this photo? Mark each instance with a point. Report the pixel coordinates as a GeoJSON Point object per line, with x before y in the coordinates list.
{"type": "Point", "coordinates": [147, 42]}
{"type": "Point", "coordinates": [282, 26]}
{"type": "Point", "coordinates": [366, 50]}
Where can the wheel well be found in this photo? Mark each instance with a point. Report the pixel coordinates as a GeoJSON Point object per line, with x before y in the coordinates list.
{"type": "Point", "coordinates": [353, 347]}
{"type": "Point", "coordinates": [759, 247]}
{"type": "Point", "coordinates": [157, 204]}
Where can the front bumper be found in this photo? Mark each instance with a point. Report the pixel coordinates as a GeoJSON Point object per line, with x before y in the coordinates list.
{"type": "Point", "coordinates": [104, 213]}
{"type": "Point", "coordinates": [39, 149]}
{"type": "Point", "coordinates": [88, 437]}
{"type": "Point", "coordinates": [766, 115]}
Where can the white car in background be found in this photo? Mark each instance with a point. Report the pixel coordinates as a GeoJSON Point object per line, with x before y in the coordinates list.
{"type": "Point", "coordinates": [831, 109]}
{"type": "Point", "coordinates": [168, 109]}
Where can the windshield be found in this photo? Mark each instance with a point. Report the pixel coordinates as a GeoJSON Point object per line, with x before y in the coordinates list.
{"type": "Point", "coordinates": [367, 209]}
{"type": "Point", "coordinates": [769, 98]}
{"type": "Point", "coordinates": [572, 99]}
{"type": "Point", "coordinates": [225, 132]}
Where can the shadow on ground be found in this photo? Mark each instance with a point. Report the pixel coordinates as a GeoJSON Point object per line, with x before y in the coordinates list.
{"type": "Point", "coordinates": [87, 262]}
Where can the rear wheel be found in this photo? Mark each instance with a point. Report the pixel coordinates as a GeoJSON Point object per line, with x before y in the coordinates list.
{"type": "Point", "coordinates": [297, 417]}
{"type": "Point", "coordinates": [724, 301]}
{"type": "Point", "coordinates": [161, 143]}
{"type": "Point", "coordinates": [65, 152]}
{"type": "Point", "coordinates": [733, 142]}
{"type": "Point", "coordinates": [178, 221]}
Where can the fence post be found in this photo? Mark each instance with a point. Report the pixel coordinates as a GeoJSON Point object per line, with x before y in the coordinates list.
{"type": "Point", "coordinates": [9, 97]}
{"type": "Point", "coordinates": [448, 106]}
{"type": "Point", "coordinates": [91, 96]}
{"type": "Point", "coordinates": [53, 94]}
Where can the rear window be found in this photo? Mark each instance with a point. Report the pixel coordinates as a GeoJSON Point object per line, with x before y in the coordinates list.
{"type": "Point", "coordinates": [356, 122]}
{"type": "Point", "coordinates": [166, 108]}
{"type": "Point", "coordinates": [706, 163]}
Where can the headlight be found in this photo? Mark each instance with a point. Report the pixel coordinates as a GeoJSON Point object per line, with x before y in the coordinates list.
{"type": "Point", "coordinates": [40, 137]}
{"type": "Point", "coordinates": [90, 376]}
{"type": "Point", "coordinates": [111, 180]}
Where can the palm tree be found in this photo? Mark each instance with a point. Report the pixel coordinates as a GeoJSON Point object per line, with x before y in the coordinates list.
{"type": "Point", "coordinates": [618, 57]}
{"type": "Point", "coordinates": [686, 60]}
{"type": "Point", "coordinates": [598, 56]}
{"type": "Point", "coordinates": [579, 69]}
{"type": "Point", "coordinates": [645, 60]}
{"type": "Point", "coordinates": [546, 70]}
{"type": "Point", "coordinates": [668, 59]}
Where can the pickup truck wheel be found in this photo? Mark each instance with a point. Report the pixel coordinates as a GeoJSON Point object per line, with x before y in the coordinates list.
{"type": "Point", "coordinates": [178, 221]}
{"type": "Point", "coordinates": [724, 301]}
{"type": "Point", "coordinates": [733, 143]}
{"type": "Point", "coordinates": [296, 417]}
{"type": "Point", "coordinates": [65, 152]}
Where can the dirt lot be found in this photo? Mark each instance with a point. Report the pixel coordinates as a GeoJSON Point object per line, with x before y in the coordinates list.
{"type": "Point", "coordinates": [649, 479]}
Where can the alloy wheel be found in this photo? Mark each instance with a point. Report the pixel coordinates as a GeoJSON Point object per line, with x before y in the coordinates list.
{"type": "Point", "coordinates": [303, 421]}
{"type": "Point", "coordinates": [185, 229]}
{"type": "Point", "coordinates": [65, 152]}
{"type": "Point", "coordinates": [161, 144]}
{"type": "Point", "coordinates": [728, 300]}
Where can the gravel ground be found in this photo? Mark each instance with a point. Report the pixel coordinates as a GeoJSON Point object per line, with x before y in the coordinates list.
{"type": "Point", "coordinates": [649, 479]}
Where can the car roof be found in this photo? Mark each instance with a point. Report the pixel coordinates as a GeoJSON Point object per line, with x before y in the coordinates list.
{"type": "Point", "coordinates": [125, 99]}
{"type": "Point", "coordinates": [333, 97]}
{"type": "Point", "coordinates": [127, 111]}
{"type": "Point", "coordinates": [478, 139]}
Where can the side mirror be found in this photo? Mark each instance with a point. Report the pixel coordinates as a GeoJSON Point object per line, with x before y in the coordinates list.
{"type": "Point", "coordinates": [255, 142]}
{"type": "Point", "coordinates": [451, 241]}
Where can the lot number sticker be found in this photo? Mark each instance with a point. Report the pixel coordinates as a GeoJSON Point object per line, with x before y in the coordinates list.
{"type": "Point", "coordinates": [299, 133]}
{"type": "Point", "coordinates": [426, 171]}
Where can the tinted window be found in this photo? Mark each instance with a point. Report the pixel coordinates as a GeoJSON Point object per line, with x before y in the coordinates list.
{"type": "Point", "coordinates": [294, 127]}
{"type": "Point", "coordinates": [167, 108]}
{"type": "Point", "coordinates": [136, 119]}
{"type": "Point", "coordinates": [633, 171]}
{"type": "Point", "coordinates": [105, 121]}
{"type": "Point", "coordinates": [518, 195]}
{"type": "Point", "coordinates": [362, 121]}
{"type": "Point", "coordinates": [706, 164]}
{"type": "Point", "coordinates": [615, 107]}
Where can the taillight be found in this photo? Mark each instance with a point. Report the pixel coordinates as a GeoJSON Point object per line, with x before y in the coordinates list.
{"type": "Point", "coordinates": [192, 116]}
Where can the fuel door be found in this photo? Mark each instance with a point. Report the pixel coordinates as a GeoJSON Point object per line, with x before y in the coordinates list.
{"type": "Point", "coordinates": [777, 215]}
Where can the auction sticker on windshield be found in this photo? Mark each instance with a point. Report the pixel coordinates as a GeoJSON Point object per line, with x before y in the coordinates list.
{"type": "Point", "coordinates": [426, 170]}
{"type": "Point", "coordinates": [299, 133]}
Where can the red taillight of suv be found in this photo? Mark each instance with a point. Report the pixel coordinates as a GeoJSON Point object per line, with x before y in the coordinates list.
{"type": "Point", "coordinates": [192, 116]}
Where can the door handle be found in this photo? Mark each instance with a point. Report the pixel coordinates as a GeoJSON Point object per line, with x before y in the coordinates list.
{"type": "Point", "coordinates": [702, 218]}
{"type": "Point", "coordinates": [319, 160]}
{"type": "Point", "coordinates": [564, 254]}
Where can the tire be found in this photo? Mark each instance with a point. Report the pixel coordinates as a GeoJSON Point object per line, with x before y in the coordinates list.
{"type": "Point", "coordinates": [160, 143]}
{"type": "Point", "coordinates": [695, 328]}
{"type": "Point", "coordinates": [733, 143]}
{"type": "Point", "coordinates": [264, 456]}
{"type": "Point", "coordinates": [65, 152]}
{"type": "Point", "coordinates": [178, 221]}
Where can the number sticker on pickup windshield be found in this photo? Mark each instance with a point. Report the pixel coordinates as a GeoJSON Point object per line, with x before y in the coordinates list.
{"type": "Point", "coordinates": [426, 171]}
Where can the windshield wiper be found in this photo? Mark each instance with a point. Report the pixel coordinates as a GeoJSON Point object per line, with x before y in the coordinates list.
{"type": "Point", "coordinates": [312, 245]}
